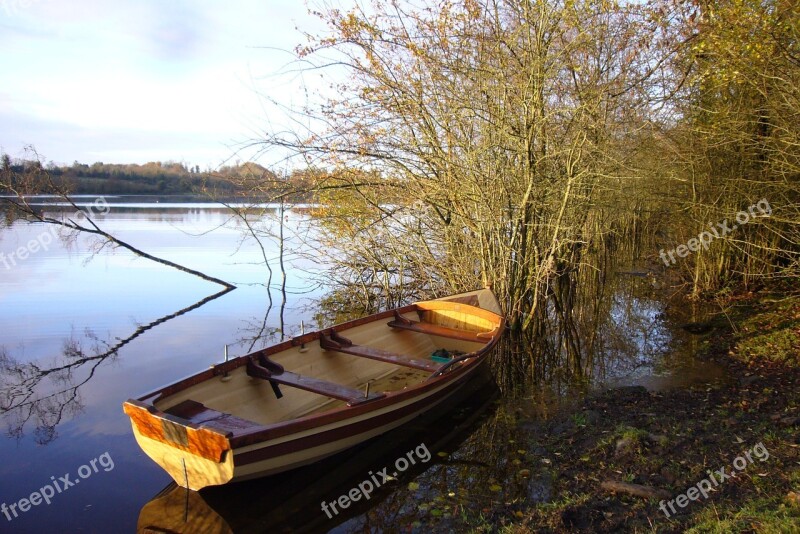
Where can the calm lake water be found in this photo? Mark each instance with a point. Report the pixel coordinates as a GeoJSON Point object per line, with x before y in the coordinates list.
{"type": "Point", "coordinates": [63, 307]}
{"type": "Point", "coordinates": [83, 330]}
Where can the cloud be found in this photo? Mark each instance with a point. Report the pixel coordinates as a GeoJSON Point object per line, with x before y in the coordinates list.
{"type": "Point", "coordinates": [107, 79]}
{"type": "Point", "coordinates": [177, 31]}
{"type": "Point", "coordinates": [175, 40]}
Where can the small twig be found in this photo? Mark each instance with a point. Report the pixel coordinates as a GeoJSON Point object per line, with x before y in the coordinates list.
{"type": "Point", "coordinates": [637, 490]}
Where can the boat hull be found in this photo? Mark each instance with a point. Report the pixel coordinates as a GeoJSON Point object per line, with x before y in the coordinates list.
{"type": "Point", "coordinates": [253, 417]}
{"type": "Point", "coordinates": [270, 458]}
{"type": "Point", "coordinates": [286, 502]}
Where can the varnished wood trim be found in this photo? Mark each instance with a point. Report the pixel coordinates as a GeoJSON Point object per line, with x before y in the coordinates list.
{"type": "Point", "coordinates": [434, 305]}
{"type": "Point", "coordinates": [204, 442]}
{"type": "Point", "coordinates": [442, 331]}
{"type": "Point", "coordinates": [469, 300]}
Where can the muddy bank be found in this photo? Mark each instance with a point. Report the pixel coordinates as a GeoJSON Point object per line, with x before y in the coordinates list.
{"type": "Point", "coordinates": [722, 457]}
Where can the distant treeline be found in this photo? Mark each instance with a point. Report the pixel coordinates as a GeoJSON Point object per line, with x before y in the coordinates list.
{"type": "Point", "coordinates": [154, 178]}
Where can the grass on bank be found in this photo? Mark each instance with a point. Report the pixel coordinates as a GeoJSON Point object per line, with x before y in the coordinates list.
{"type": "Point", "coordinates": [689, 431]}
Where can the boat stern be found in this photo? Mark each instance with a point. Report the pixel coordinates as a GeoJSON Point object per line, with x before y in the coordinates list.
{"type": "Point", "coordinates": [194, 456]}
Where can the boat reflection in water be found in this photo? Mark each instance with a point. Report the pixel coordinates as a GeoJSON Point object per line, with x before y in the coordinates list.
{"type": "Point", "coordinates": [292, 501]}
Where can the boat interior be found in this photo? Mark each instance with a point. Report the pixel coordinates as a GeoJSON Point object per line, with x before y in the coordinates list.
{"type": "Point", "coordinates": [341, 366]}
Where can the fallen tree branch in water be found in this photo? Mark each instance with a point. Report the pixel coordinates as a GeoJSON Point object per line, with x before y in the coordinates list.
{"type": "Point", "coordinates": [22, 186]}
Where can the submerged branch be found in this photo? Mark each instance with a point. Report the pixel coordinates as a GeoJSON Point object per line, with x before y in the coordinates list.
{"type": "Point", "coordinates": [22, 208]}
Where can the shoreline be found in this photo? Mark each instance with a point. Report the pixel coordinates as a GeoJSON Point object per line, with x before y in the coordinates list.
{"type": "Point", "coordinates": [622, 440]}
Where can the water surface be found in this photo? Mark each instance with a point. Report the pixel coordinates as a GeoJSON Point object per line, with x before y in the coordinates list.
{"type": "Point", "coordinates": [82, 330]}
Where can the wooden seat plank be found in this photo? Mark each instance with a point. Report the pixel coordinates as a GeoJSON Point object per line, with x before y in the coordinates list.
{"type": "Point", "coordinates": [340, 344]}
{"type": "Point", "coordinates": [315, 385]}
{"type": "Point", "coordinates": [199, 414]}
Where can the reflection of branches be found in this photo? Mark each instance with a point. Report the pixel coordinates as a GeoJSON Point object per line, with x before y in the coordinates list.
{"type": "Point", "coordinates": [265, 196]}
{"type": "Point", "coordinates": [21, 398]}
{"type": "Point", "coordinates": [259, 331]}
{"type": "Point", "coordinates": [241, 213]}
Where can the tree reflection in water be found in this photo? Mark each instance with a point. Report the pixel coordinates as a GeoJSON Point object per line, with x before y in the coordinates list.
{"type": "Point", "coordinates": [43, 397]}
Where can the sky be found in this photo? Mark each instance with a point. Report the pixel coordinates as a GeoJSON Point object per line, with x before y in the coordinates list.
{"type": "Point", "coordinates": [132, 81]}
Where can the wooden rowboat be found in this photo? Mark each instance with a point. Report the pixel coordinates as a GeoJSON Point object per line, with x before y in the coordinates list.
{"type": "Point", "coordinates": [315, 395]}
{"type": "Point", "coordinates": [286, 502]}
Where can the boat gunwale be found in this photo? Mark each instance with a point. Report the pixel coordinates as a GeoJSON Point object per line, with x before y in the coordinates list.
{"type": "Point", "coordinates": [348, 428]}
{"type": "Point", "coordinates": [263, 433]}
{"type": "Point", "coordinates": [259, 433]}
{"type": "Point", "coordinates": [225, 367]}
